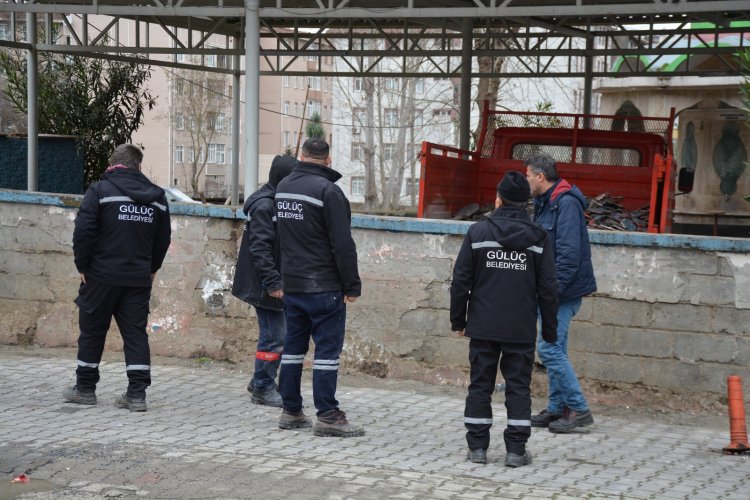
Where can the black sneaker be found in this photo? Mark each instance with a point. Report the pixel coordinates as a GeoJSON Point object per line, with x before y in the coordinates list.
{"type": "Point", "coordinates": [297, 420]}
{"type": "Point", "coordinates": [130, 403]}
{"type": "Point", "coordinates": [572, 421]}
{"type": "Point", "coordinates": [334, 423]}
{"type": "Point", "coordinates": [478, 456]}
{"type": "Point", "coordinates": [543, 418]}
{"type": "Point", "coordinates": [515, 460]}
{"type": "Point", "coordinates": [73, 395]}
{"type": "Point", "coordinates": [267, 397]}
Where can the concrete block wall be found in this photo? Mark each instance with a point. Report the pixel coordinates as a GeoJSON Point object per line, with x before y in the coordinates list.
{"type": "Point", "coordinates": [671, 311]}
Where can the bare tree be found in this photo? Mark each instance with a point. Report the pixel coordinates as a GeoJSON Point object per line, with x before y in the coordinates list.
{"type": "Point", "coordinates": [201, 104]}
{"type": "Point", "coordinates": [385, 140]}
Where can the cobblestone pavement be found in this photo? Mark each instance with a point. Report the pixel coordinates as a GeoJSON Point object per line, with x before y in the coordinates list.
{"type": "Point", "coordinates": [202, 438]}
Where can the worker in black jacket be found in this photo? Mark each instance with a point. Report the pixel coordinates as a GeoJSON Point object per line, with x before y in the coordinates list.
{"type": "Point", "coordinates": [121, 236]}
{"type": "Point", "coordinates": [257, 281]}
{"type": "Point", "coordinates": [504, 272]}
{"type": "Point", "coordinates": [319, 272]}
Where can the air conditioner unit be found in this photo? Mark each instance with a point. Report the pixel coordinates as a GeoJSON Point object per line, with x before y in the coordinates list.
{"type": "Point", "coordinates": [355, 130]}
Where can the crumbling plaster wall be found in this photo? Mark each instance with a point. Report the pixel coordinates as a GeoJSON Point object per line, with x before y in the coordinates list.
{"type": "Point", "coordinates": [671, 311]}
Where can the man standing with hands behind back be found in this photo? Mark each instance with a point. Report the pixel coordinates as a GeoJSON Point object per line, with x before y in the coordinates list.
{"type": "Point", "coordinates": [504, 271]}
{"type": "Point", "coordinates": [319, 273]}
{"type": "Point", "coordinates": [558, 208]}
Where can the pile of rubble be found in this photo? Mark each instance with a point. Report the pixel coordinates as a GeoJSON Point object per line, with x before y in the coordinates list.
{"type": "Point", "coordinates": [605, 212]}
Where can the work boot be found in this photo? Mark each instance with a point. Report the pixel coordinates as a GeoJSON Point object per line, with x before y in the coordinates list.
{"type": "Point", "coordinates": [267, 397]}
{"type": "Point", "coordinates": [572, 421]}
{"type": "Point", "coordinates": [543, 418]}
{"type": "Point", "coordinates": [334, 423]}
{"type": "Point", "coordinates": [478, 456]}
{"type": "Point", "coordinates": [131, 403]}
{"type": "Point", "coordinates": [73, 395]}
{"type": "Point", "coordinates": [291, 420]}
{"type": "Point", "coordinates": [516, 460]}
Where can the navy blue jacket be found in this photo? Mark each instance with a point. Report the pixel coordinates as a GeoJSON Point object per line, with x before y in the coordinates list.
{"type": "Point", "coordinates": [560, 212]}
{"type": "Point", "coordinates": [257, 270]}
{"type": "Point", "coordinates": [122, 230]}
{"type": "Point", "coordinates": [503, 273]}
{"type": "Point", "coordinates": [313, 216]}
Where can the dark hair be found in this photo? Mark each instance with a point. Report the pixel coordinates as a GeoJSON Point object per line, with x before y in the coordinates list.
{"type": "Point", "coordinates": [315, 147]}
{"type": "Point", "coordinates": [543, 164]}
{"type": "Point", "coordinates": [128, 155]}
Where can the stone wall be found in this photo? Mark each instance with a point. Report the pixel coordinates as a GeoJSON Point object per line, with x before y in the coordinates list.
{"type": "Point", "coordinates": [671, 311]}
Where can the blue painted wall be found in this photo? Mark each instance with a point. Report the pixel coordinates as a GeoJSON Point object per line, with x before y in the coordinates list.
{"type": "Point", "coordinates": [60, 164]}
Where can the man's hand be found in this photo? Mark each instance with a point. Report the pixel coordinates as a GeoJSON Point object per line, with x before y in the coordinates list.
{"type": "Point", "coordinates": [277, 294]}
{"type": "Point", "coordinates": [83, 278]}
{"type": "Point", "coordinates": [350, 299]}
{"type": "Point", "coordinates": [549, 337]}
{"type": "Point", "coordinates": [460, 333]}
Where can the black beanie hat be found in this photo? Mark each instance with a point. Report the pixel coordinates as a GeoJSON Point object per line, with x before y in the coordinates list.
{"type": "Point", "coordinates": [514, 187]}
{"type": "Point", "coordinates": [281, 166]}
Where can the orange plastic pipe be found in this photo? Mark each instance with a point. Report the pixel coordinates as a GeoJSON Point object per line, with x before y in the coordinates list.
{"type": "Point", "coordinates": [737, 428]}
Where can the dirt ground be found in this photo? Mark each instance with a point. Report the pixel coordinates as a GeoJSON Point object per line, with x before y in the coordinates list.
{"type": "Point", "coordinates": [622, 400]}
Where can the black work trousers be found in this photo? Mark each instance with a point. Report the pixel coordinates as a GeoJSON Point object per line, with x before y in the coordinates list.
{"type": "Point", "coordinates": [516, 363]}
{"type": "Point", "coordinates": [97, 303]}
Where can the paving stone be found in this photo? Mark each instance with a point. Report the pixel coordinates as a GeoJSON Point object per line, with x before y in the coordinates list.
{"type": "Point", "coordinates": [196, 430]}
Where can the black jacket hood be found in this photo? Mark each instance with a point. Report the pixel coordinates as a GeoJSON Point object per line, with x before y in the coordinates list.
{"type": "Point", "coordinates": [520, 233]}
{"type": "Point", "coordinates": [134, 184]}
{"type": "Point", "coordinates": [265, 191]}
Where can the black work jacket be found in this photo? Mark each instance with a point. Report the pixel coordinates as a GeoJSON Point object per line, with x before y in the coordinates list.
{"type": "Point", "coordinates": [122, 230]}
{"type": "Point", "coordinates": [318, 253]}
{"type": "Point", "coordinates": [257, 270]}
{"type": "Point", "coordinates": [504, 271]}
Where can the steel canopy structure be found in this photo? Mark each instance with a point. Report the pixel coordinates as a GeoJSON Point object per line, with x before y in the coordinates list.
{"type": "Point", "coordinates": [436, 38]}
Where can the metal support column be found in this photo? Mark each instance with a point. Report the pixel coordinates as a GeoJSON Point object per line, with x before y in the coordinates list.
{"type": "Point", "coordinates": [465, 111]}
{"type": "Point", "coordinates": [252, 94]}
{"type": "Point", "coordinates": [32, 141]}
{"type": "Point", "coordinates": [588, 76]}
{"type": "Point", "coordinates": [235, 175]}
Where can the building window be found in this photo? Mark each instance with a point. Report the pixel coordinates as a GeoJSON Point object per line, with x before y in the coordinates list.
{"type": "Point", "coordinates": [285, 80]}
{"type": "Point", "coordinates": [356, 83]}
{"type": "Point", "coordinates": [390, 117]}
{"type": "Point", "coordinates": [210, 60]}
{"type": "Point", "coordinates": [314, 107]}
{"type": "Point", "coordinates": [221, 122]}
{"type": "Point", "coordinates": [210, 120]}
{"type": "Point", "coordinates": [285, 108]}
{"type": "Point", "coordinates": [358, 186]}
{"type": "Point", "coordinates": [216, 153]}
{"type": "Point", "coordinates": [391, 84]}
{"type": "Point", "coordinates": [419, 86]}
{"type": "Point", "coordinates": [314, 82]}
{"type": "Point", "coordinates": [178, 154]}
{"type": "Point", "coordinates": [389, 152]}
{"type": "Point", "coordinates": [287, 136]}
{"type": "Point", "coordinates": [191, 154]}
{"type": "Point", "coordinates": [411, 187]}
{"type": "Point", "coordinates": [179, 119]}
{"type": "Point", "coordinates": [358, 151]}
{"type": "Point", "coordinates": [301, 82]}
